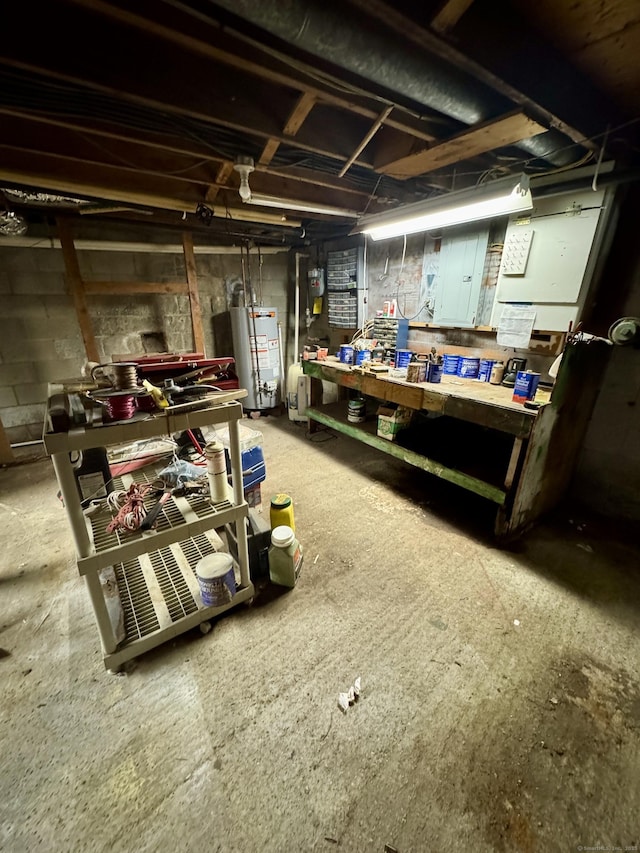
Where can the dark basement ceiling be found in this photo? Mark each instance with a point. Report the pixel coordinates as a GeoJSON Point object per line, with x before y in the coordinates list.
{"type": "Point", "coordinates": [357, 105]}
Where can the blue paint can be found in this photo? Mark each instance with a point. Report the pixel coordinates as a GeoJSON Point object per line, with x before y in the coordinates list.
{"type": "Point", "coordinates": [403, 357]}
{"type": "Point", "coordinates": [450, 364]}
{"type": "Point", "coordinates": [435, 372]}
{"type": "Point", "coordinates": [346, 353]}
{"type": "Point", "coordinates": [468, 367]}
{"type": "Point", "coordinates": [363, 355]}
{"type": "Point", "coordinates": [526, 386]}
{"type": "Point", "coordinates": [216, 579]}
{"type": "Point", "coordinates": [484, 371]}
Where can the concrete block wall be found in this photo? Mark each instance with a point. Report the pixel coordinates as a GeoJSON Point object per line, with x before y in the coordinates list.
{"type": "Point", "coordinates": [40, 341]}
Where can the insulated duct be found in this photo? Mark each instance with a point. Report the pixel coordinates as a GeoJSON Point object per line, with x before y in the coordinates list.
{"type": "Point", "coordinates": [381, 56]}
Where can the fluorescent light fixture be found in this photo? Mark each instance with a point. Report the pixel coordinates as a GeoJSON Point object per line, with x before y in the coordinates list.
{"type": "Point", "coordinates": [308, 207]}
{"type": "Point", "coordinates": [452, 209]}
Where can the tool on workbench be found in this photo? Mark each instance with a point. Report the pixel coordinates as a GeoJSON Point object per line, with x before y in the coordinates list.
{"type": "Point", "coordinates": [150, 518]}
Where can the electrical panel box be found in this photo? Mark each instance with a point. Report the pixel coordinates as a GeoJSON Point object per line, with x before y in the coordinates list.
{"type": "Point", "coordinates": [462, 259]}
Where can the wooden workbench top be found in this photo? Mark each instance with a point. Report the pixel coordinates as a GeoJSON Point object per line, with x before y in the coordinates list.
{"type": "Point", "coordinates": [479, 402]}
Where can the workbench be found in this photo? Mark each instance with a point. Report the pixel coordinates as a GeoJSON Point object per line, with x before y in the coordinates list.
{"type": "Point", "coordinates": [472, 434]}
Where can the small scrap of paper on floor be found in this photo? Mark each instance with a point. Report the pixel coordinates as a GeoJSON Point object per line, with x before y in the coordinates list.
{"type": "Point", "coordinates": [351, 696]}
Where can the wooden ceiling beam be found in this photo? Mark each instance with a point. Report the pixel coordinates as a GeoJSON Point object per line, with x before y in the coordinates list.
{"type": "Point", "coordinates": [180, 147]}
{"type": "Point", "coordinates": [222, 176]}
{"type": "Point", "coordinates": [449, 14]}
{"type": "Point", "coordinates": [298, 114]}
{"type": "Point", "coordinates": [545, 84]}
{"type": "Point", "coordinates": [208, 39]}
{"type": "Point", "coordinates": [42, 174]}
{"type": "Point", "coordinates": [367, 139]}
{"type": "Point", "coordinates": [480, 139]}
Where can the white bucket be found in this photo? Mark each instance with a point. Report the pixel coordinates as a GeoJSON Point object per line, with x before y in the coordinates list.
{"type": "Point", "coordinates": [217, 579]}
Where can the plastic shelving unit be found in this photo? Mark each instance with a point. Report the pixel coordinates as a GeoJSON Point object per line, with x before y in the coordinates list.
{"type": "Point", "coordinates": [155, 570]}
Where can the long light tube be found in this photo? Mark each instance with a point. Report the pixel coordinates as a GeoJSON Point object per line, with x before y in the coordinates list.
{"type": "Point", "coordinates": [291, 204]}
{"type": "Point", "coordinates": [443, 213]}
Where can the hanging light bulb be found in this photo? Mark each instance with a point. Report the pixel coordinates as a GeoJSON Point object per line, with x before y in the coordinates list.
{"type": "Point", "coordinates": [244, 166]}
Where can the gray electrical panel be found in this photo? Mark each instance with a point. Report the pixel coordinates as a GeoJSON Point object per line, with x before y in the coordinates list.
{"type": "Point", "coordinates": [257, 353]}
{"type": "Point", "coordinates": [462, 259]}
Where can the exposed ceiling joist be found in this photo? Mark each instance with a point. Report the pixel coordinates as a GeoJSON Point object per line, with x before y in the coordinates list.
{"type": "Point", "coordinates": [449, 14]}
{"type": "Point", "coordinates": [367, 139]}
{"type": "Point", "coordinates": [40, 175]}
{"type": "Point", "coordinates": [478, 140]}
{"type": "Point", "coordinates": [530, 74]}
{"type": "Point", "coordinates": [208, 39]}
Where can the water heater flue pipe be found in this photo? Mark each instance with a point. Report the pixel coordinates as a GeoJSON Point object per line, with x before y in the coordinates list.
{"type": "Point", "coordinates": [296, 331]}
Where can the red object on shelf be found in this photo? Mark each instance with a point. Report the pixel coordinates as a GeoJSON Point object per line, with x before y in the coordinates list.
{"type": "Point", "coordinates": [157, 367]}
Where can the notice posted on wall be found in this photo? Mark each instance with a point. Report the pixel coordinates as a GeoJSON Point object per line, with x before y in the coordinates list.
{"type": "Point", "coordinates": [515, 326]}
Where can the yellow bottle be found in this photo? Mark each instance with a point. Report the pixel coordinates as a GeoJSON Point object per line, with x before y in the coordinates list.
{"type": "Point", "coordinates": [281, 512]}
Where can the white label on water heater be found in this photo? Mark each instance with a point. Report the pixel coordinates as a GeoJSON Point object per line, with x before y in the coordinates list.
{"type": "Point", "coordinates": [92, 486]}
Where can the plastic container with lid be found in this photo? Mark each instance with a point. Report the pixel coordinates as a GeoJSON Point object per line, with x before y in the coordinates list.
{"type": "Point", "coordinates": [285, 556]}
{"type": "Point", "coordinates": [281, 512]}
{"type": "Point", "coordinates": [216, 579]}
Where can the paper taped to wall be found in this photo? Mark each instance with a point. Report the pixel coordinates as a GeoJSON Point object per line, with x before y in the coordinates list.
{"type": "Point", "coordinates": [516, 325]}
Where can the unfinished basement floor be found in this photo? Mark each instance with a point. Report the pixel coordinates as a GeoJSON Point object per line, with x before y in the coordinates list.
{"type": "Point", "coordinates": [501, 688]}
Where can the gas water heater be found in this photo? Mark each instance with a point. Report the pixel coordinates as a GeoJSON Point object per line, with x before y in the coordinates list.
{"type": "Point", "coordinates": [257, 353]}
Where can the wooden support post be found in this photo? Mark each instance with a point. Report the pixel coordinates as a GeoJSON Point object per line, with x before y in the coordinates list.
{"type": "Point", "coordinates": [6, 453]}
{"type": "Point", "coordinates": [76, 288]}
{"type": "Point", "coordinates": [194, 296]}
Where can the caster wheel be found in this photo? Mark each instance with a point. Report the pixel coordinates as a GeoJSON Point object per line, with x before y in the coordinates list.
{"type": "Point", "coordinates": [205, 627]}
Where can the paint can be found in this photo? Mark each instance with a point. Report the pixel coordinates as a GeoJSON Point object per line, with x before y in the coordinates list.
{"type": "Point", "coordinates": [484, 371]}
{"type": "Point", "coordinates": [468, 367]}
{"type": "Point", "coordinates": [497, 373]}
{"type": "Point", "coordinates": [417, 371]}
{"type": "Point", "coordinates": [450, 364]}
{"type": "Point", "coordinates": [526, 386]}
{"type": "Point", "coordinates": [403, 357]}
{"type": "Point", "coordinates": [346, 353]}
{"type": "Point", "coordinates": [357, 410]}
{"type": "Point", "coordinates": [363, 355]}
{"type": "Point", "coordinates": [434, 373]}
{"type": "Point", "coordinates": [216, 579]}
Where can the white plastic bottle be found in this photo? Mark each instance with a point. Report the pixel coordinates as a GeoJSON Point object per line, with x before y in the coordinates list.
{"type": "Point", "coordinates": [285, 556]}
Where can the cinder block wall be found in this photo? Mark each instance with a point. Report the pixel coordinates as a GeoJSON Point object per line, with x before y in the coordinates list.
{"type": "Point", "coordinates": [40, 341]}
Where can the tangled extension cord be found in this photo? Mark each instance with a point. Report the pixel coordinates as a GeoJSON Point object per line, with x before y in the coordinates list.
{"type": "Point", "coordinates": [130, 506]}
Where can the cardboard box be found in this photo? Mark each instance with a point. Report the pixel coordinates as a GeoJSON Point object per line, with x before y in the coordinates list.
{"type": "Point", "coordinates": [391, 421]}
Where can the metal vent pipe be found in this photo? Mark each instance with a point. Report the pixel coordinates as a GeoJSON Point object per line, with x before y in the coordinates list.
{"type": "Point", "coordinates": [384, 58]}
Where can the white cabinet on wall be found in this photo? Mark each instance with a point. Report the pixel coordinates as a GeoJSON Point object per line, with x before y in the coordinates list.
{"type": "Point", "coordinates": [462, 259]}
{"type": "Point", "coordinates": [565, 236]}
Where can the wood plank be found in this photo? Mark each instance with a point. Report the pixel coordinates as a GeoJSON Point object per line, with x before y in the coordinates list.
{"type": "Point", "coordinates": [472, 484]}
{"type": "Point", "coordinates": [76, 288]}
{"type": "Point", "coordinates": [479, 139]}
{"type": "Point", "coordinates": [299, 113]}
{"type": "Point", "coordinates": [477, 402]}
{"type": "Point", "coordinates": [215, 43]}
{"type": "Point", "coordinates": [194, 296]}
{"type": "Point", "coordinates": [120, 288]}
{"type": "Point", "coordinates": [268, 152]}
{"type": "Point", "coordinates": [375, 127]}
{"type": "Point", "coordinates": [449, 14]}
{"type": "Point", "coordinates": [556, 439]}
{"type": "Point", "coordinates": [28, 170]}
{"type": "Point", "coordinates": [6, 453]}
{"type": "Point", "coordinates": [222, 176]}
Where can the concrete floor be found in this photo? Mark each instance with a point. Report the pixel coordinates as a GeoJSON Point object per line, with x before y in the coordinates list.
{"type": "Point", "coordinates": [501, 689]}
